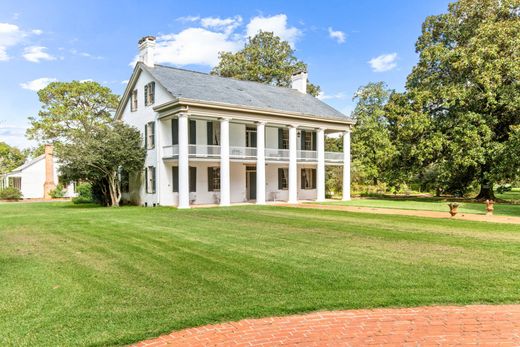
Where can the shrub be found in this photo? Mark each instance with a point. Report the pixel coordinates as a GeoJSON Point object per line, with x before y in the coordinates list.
{"type": "Point", "coordinates": [10, 193]}
{"type": "Point", "coordinates": [58, 192]}
{"type": "Point", "coordinates": [84, 194]}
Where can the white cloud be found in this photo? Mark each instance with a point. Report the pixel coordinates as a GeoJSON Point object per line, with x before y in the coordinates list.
{"type": "Point", "coordinates": [324, 96]}
{"type": "Point", "coordinates": [384, 62]}
{"type": "Point", "coordinates": [201, 44]}
{"type": "Point", "coordinates": [337, 35]}
{"type": "Point", "coordinates": [125, 82]}
{"type": "Point", "coordinates": [276, 24]}
{"type": "Point", "coordinates": [86, 80]}
{"type": "Point", "coordinates": [35, 54]}
{"type": "Point", "coordinates": [37, 31]}
{"type": "Point", "coordinates": [221, 24]}
{"type": "Point", "coordinates": [10, 35]}
{"type": "Point", "coordinates": [37, 84]}
{"type": "Point", "coordinates": [14, 135]}
{"type": "Point", "coordinates": [193, 46]}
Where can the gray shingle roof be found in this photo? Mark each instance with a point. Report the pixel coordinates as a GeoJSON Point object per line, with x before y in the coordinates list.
{"type": "Point", "coordinates": [205, 87]}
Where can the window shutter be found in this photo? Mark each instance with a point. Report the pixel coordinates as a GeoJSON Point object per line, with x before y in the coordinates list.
{"type": "Point", "coordinates": [175, 179]}
{"type": "Point", "coordinates": [193, 179]}
{"type": "Point", "coordinates": [152, 132]}
{"type": "Point", "coordinates": [153, 179]}
{"type": "Point", "coordinates": [210, 179]}
{"type": "Point", "coordinates": [303, 175]}
{"type": "Point", "coordinates": [146, 102]}
{"type": "Point", "coordinates": [152, 92]}
{"type": "Point", "coordinates": [314, 139]}
{"type": "Point", "coordinates": [280, 138]}
{"type": "Point", "coordinates": [313, 178]}
{"type": "Point", "coordinates": [210, 133]}
{"type": "Point", "coordinates": [280, 178]}
{"type": "Point", "coordinates": [146, 136]}
{"type": "Point", "coordinates": [193, 132]}
{"type": "Point", "coordinates": [146, 180]}
{"type": "Point", "coordinates": [175, 131]}
{"type": "Point", "coordinates": [302, 140]}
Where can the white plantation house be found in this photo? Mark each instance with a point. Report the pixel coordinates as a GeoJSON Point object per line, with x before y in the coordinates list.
{"type": "Point", "coordinates": [220, 140]}
{"type": "Point", "coordinates": [37, 177]}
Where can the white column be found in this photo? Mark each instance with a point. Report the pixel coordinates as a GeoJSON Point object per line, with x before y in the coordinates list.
{"type": "Point", "coordinates": [293, 167]}
{"type": "Point", "coordinates": [224, 163]}
{"type": "Point", "coordinates": [184, 163]}
{"type": "Point", "coordinates": [346, 165]}
{"type": "Point", "coordinates": [260, 163]}
{"type": "Point", "coordinates": [320, 171]}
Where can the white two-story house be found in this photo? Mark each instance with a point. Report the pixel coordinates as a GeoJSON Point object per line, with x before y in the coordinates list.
{"type": "Point", "coordinates": [215, 140]}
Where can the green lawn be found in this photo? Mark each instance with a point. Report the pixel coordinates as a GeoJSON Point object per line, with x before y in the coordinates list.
{"type": "Point", "coordinates": [98, 276]}
{"type": "Point", "coordinates": [429, 204]}
{"type": "Point", "coordinates": [513, 195]}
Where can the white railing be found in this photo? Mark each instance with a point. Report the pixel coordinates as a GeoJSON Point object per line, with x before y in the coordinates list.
{"type": "Point", "coordinates": [204, 151]}
{"type": "Point", "coordinates": [242, 152]}
{"type": "Point", "coordinates": [171, 151]}
{"type": "Point", "coordinates": [334, 156]}
{"type": "Point", "coordinates": [276, 154]}
{"type": "Point", "coordinates": [307, 155]}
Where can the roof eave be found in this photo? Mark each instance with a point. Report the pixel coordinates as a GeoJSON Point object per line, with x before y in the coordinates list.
{"type": "Point", "coordinates": [234, 107]}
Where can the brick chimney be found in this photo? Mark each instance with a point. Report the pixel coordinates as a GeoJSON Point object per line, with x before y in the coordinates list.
{"type": "Point", "coordinates": [147, 50]}
{"type": "Point", "coordinates": [49, 172]}
{"type": "Point", "coordinates": [299, 82]}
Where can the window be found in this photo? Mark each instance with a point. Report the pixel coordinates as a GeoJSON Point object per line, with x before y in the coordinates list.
{"type": "Point", "coordinates": [192, 132]}
{"type": "Point", "coordinates": [283, 178]}
{"type": "Point", "coordinates": [213, 179]}
{"type": "Point", "coordinates": [283, 138]}
{"type": "Point", "coordinates": [308, 179]}
{"type": "Point", "coordinates": [250, 137]}
{"type": "Point", "coordinates": [149, 94]}
{"type": "Point", "coordinates": [213, 132]}
{"type": "Point", "coordinates": [149, 134]}
{"type": "Point", "coordinates": [192, 178]}
{"type": "Point", "coordinates": [14, 182]}
{"type": "Point", "coordinates": [175, 131]}
{"type": "Point", "coordinates": [133, 101]}
{"type": "Point", "coordinates": [150, 179]}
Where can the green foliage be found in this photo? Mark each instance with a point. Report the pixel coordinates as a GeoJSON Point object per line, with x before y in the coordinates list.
{"type": "Point", "coordinates": [462, 97]}
{"type": "Point", "coordinates": [266, 59]}
{"type": "Point", "coordinates": [10, 158]}
{"type": "Point", "coordinates": [98, 157]}
{"type": "Point", "coordinates": [58, 192]}
{"type": "Point", "coordinates": [372, 148]}
{"type": "Point", "coordinates": [71, 109]}
{"type": "Point", "coordinates": [10, 193]}
{"type": "Point", "coordinates": [84, 194]}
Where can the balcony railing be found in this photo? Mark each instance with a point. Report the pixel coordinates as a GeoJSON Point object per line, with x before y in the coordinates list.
{"type": "Point", "coordinates": [336, 157]}
{"type": "Point", "coordinates": [171, 151]}
{"type": "Point", "coordinates": [204, 151]}
{"type": "Point", "coordinates": [276, 154]}
{"type": "Point", "coordinates": [249, 153]}
{"type": "Point", "coordinates": [307, 155]}
{"type": "Point", "coordinates": [242, 152]}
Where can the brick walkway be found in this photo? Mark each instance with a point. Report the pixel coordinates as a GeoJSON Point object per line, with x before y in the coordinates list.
{"type": "Point", "coordinates": [477, 325]}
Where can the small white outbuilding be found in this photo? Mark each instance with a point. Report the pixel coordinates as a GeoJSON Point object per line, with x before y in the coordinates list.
{"type": "Point", "coordinates": [37, 177]}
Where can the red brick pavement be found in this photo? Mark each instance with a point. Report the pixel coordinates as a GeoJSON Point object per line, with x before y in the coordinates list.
{"type": "Point", "coordinates": [476, 325]}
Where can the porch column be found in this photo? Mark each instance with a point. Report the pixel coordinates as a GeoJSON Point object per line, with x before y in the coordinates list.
{"type": "Point", "coordinates": [184, 163]}
{"type": "Point", "coordinates": [224, 163]}
{"type": "Point", "coordinates": [293, 166]}
{"type": "Point", "coordinates": [346, 165]}
{"type": "Point", "coordinates": [320, 172]}
{"type": "Point", "coordinates": [260, 163]}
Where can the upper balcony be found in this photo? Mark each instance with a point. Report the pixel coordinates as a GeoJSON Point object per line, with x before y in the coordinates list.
{"type": "Point", "coordinates": [249, 153]}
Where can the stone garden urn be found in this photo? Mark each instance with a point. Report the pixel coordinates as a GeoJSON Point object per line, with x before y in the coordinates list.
{"type": "Point", "coordinates": [453, 208]}
{"type": "Point", "coordinates": [489, 207]}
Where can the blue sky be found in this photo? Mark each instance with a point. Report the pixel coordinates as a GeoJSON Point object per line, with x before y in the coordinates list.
{"type": "Point", "coordinates": [346, 44]}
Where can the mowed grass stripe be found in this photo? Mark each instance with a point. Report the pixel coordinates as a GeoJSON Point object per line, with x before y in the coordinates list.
{"type": "Point", "coordinates": [97, 276]}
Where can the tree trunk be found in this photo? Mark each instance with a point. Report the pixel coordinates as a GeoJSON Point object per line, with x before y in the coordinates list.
{"type": "Point", "coordinates": [115, 193]}
{"type": "Point", "coordinates": [486, 191]}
